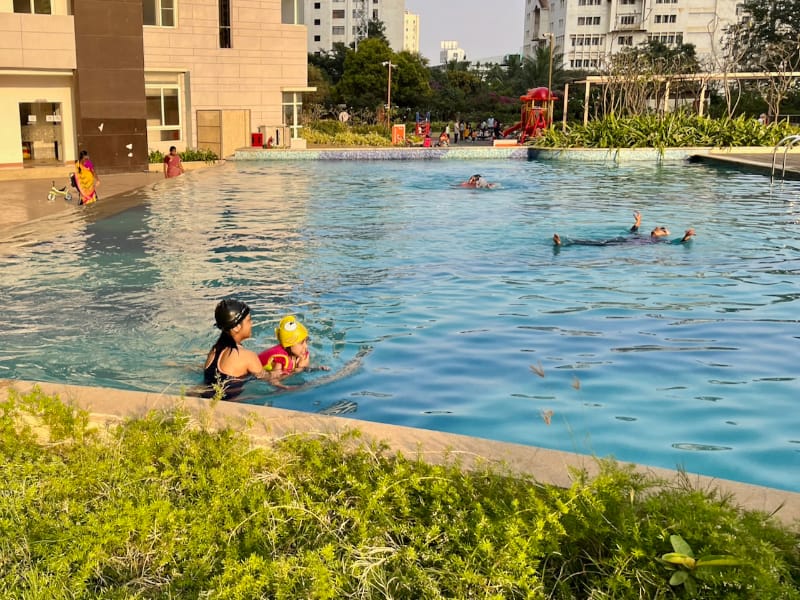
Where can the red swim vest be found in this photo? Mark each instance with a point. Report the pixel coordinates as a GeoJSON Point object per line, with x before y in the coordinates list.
{"type": "Point", "coordinates": [277, 356]}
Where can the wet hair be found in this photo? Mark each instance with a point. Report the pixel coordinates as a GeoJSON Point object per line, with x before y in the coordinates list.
{"type": "Point", "coordinates": [227, 315]}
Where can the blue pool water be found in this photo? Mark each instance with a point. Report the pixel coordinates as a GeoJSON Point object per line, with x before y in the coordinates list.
{"type": "Point", "coordinates": [667, 355]}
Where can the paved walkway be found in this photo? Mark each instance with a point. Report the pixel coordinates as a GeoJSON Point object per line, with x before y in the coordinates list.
{"type": "Point", "coordinates": [761, 162]}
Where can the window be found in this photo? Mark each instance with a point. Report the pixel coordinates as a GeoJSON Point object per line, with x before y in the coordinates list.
{"type": "Point", "coordinates": [337, 30]}
{"type": "Point", "coordinates": [316, 22]}
{"type": "Point", "coordinates": [316, 5]}
{"type": "Point", "coordinates": [39, 7]}
{"type": "Point", "coordinates": [375, 15]}
{"type": "Point", "coordinates": [163, 112]}
{"type": "Point", "coordinates": [627, 1]}
{"type": "Point", "coordinates": [338, 14]}
{"type": "Point", "coordinates": [625, 40]}
{"type": "Point", "coordinates": [159, 13]}
{"type": "Point", "coordinates": [317, 38]}
{"type": "Point", "coordinates": [665, 18]}
{"type": "Point", "coordinates": [224, 23]}
{"type": "Point", "coordinates": [627, 20]}
{"type": "Point", "coordinates": [581, 21]}
{"type": "Point", "coordinates": [595, 20]}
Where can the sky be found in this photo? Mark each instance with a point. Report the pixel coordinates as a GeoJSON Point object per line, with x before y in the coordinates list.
{"type": "Point", "coordinates": [483, 28]}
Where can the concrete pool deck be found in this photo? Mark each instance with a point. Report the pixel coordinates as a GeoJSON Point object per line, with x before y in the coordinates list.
{"type": "Point", "coordinates": [25, 211]}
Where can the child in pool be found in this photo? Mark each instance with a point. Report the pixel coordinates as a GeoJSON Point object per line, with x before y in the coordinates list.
{"type": "Point", "coordinates": [291, 354]}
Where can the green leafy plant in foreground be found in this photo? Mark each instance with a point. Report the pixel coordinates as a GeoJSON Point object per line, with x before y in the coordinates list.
{"type": "Point", "coordinates": [686, 566]}
{"type": "Point", "coordinates": [163, 506]}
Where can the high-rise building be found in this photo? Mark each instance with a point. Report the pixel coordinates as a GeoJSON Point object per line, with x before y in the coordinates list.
{"type": "Point", "coordinates": [345, 21]}
{"type": "Point", "coordinates": [410, 32]}
{"type": "Point", "coordinates": [588, 31]}
{"type": "Point", "coordinates": [450, 51]}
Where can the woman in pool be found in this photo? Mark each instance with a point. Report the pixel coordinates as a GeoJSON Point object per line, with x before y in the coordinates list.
{"type": "Point", "coordinates": [86, 178]}
{"type": "Point", "coordinates": [229, 364]}
{"type": "Point", "coordinates": [291, 354]}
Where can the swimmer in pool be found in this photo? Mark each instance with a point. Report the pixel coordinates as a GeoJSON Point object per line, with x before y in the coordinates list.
{"type": "Point", "coordinates": [478, 181]}
{"type": "Point", "coordinates": [290, 355]}
{"type": "Point", "coordinates": [657, 234]}
{"type": "Point", "coordinates": [229, 364]}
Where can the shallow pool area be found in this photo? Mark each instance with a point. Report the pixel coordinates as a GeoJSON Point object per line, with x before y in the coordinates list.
{"type": "Point", "coordinates": [466, 317]}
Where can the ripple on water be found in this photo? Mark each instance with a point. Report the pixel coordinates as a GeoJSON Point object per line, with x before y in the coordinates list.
{"type": "Point", "coordinates": [654, 353]}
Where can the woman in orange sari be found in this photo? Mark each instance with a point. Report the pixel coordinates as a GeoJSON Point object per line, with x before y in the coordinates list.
{"type": "Point", "coordinates": [86, 178]}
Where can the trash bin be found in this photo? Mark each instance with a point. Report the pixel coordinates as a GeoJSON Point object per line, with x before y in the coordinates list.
{"type": "Point", "coordinates": [257, 139]}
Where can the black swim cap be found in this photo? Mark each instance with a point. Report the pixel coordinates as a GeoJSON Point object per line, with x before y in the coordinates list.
{"type": "Point", "coordinates": [229, 313]}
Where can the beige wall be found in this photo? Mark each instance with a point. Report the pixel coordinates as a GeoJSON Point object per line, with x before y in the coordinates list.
{"type": "Point", "coordinates": [33, 88]}
{"type": "Point", "coordinates": [36, 41]}
{"type": "Point", "coordinates": [266, 56]}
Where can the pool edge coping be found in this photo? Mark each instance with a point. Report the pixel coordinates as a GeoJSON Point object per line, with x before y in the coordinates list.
{"type": "Point", "coordinates": [264, 424]}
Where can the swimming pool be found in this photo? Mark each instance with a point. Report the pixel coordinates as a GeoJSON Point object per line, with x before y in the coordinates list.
{"type": "Point", "coordinates": [667, 355]}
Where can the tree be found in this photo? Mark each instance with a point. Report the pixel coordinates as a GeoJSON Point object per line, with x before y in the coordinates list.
{"type": "Point", "coordinates": [410, 81]}
{"type": "Point", "coordinates": [331, 63]}
{"type": "Point", "coordinates": [766, 22]}
{"type": "Point", "coordinates": [377, 29]}
{"type": "Point", "coordinates": [365, 78]}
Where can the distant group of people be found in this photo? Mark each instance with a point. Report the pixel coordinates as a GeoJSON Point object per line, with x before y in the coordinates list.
{"type": "Point", "coordinates": [464, 131]}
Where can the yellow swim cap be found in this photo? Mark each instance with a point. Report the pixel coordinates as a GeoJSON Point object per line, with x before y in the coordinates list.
{"type": "Point", "coordinates": [290, 331]}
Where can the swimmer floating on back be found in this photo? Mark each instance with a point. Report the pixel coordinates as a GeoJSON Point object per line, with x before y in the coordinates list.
{"type": "Point", "coordinates": [656, 235]}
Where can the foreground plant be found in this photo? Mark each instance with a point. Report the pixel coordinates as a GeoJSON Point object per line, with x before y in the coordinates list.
{"type": "Point", "coordinates": [687, 566]}
{"type": "Point", "coordinates": [163, 507]}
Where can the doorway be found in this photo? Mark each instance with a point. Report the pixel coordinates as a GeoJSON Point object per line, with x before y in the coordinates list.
{"type": "Point", "coordinates": [42, 134]}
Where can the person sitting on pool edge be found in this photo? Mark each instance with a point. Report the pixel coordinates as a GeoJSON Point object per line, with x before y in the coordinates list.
{"type": "Point", "coordinates": [478, 181]}
{"type": "Point", "coordinates": [229, 364]}
{"type": "Point", "coordinates": [290, 355]}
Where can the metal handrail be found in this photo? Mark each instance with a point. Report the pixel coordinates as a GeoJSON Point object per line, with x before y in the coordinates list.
{"type": "Point", "coordinates": [786, 143]}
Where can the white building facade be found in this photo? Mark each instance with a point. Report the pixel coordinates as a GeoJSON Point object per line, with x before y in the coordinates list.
{"type": "Point", "coordinates": [588, 31]}
{"type": "Point", "coordinates": [449, 50]}
{"type": "Point", "coordinates": [345, 21]}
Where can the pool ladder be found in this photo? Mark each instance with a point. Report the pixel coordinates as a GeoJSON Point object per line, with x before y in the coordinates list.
{"type": "Point", "coordinates": [786, 143]}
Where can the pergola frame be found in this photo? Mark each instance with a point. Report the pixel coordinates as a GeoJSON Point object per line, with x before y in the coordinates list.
{"type": "Point", "coordinates": [704, 77]}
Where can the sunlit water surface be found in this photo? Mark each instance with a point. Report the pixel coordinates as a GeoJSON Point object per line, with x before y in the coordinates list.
{"type": "Point", "coordinates": [668, 355]}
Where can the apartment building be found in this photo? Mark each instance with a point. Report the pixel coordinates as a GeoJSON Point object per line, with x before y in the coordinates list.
{"type": "Point", "coordinates": [345, 21]}
{"type": "Point", "coordinates": [449, 50]}
{"type": "Point", "coordinates": [588, 31]}
{"type": "Point", "coordinates": [123, 77]}
{"type": "Point", "coordinates": [410, 32]}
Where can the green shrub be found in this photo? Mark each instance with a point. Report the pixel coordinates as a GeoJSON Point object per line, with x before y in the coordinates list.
{"type": "Point", "coordinates": [160, 507]}
{"type": "Point", "coordinates": [188, 155]}
{"type": "Point", "coordinates": [673, 130]}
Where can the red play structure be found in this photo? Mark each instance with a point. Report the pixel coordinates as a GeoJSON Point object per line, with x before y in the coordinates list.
{"type": "Point", "coordinates": [534, 116]}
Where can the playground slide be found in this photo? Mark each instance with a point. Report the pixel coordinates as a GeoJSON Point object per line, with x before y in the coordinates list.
{"type": "Point", "coordinates": [512, 129]}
